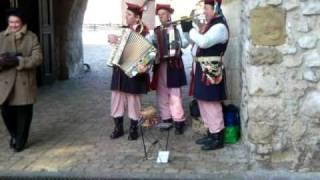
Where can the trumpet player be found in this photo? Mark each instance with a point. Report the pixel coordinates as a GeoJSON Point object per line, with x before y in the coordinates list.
{"type": "Point", "coordinates": [210, 44]}
{"type": "Point", "coordinates": [169, 74]}
{"type": "Point", "coordinates": [126, 91]}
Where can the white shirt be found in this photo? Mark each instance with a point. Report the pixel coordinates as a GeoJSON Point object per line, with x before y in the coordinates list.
{"type": "Point", "coordinates": [151, 37]}
{"type": "Point", "coordinates": [217, 34]}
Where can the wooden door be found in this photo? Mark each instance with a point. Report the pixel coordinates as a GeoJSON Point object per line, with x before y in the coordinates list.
{"type": "Point", "coordinates": [4, 5]}
{"type": "Point", "coordinates": [46, 34]}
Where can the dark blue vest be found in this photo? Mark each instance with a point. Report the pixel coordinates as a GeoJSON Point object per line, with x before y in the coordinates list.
{"type": "Point", "coordinates": [203, 91]}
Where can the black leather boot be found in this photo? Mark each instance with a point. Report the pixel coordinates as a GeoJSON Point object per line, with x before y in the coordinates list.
{"type": "Point", "coordinates": [204, 139]}
{"type": "Point", "coordinates": [215, 142]}
{"type": "Point", "coordinates": [12, 142]}
{"type": "Point", "coordinates": [179, 128]}
{"type": "Point", "coordinates": [133, 131]}
{"type": "Point", "coordinates": [18, 149]}
{"type": "Point", "coordinates": [118, 128]}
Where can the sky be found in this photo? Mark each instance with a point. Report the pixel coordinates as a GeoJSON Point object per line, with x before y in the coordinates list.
{"type": "Point", "coordinates": [103, 11]}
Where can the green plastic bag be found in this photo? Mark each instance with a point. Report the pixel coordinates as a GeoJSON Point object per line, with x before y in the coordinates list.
{"type": "Point", "coordinates": [231, 134]}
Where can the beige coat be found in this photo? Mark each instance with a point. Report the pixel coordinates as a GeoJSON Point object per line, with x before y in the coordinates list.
{"type": "Point", "coordinates": [19, 85]}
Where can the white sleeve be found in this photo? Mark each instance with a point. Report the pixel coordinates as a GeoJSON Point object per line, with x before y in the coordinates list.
{"type": "Point", "coordinates": [183, 36]}
{"type": "Point", "coordinates": [217, 34]}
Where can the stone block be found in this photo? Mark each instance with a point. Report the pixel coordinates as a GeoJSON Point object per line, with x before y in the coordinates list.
{"type": "Point", "coordinates": [264, 149]}
{"type": "Point", "coordinates": [310, 75]}
{"type": "Point", "coordinates": [263, 81]}
{"type": "Point", "coordinates": [297, 130]}
{"type": "Point", "coordinates": [287, 49]}
{"type": "Point", "coordinates": [284, 157]}
{"type": "Point", "coordinates": [295, 85]}
{"type": "Point", "coordinates": [260, 133]}
{"type": "Point", "coordinates": [291, 4]}
{"type": "Point", "coordinates": [303, 26]}
{"type": "Point", "coordinates": [280, 140]}
{"type": "Point", "coordinates": [308, 42]}
{"type": "Point", "coordinates": [311, 105]}
{"type": "Point", "coordinates": [267, 110]}
{"type": "Point", "coordinates": [311, 59]}
{"type": "Point", "coordinates": [310, 7]}
{"type": "Point", "coordinates": [292, 61]}
{"type": "Point", "coordinates": [274, 2]}
{"type": "Point", "coordinates": [262, 56]}
{"type": "Point", "coordinates": [268, 26]}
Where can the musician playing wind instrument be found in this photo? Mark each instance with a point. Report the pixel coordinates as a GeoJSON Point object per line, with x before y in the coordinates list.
{"type": "Point", "coordinates": [126, 92]}
{"type": "Point", "coordinates": [169, 74]}
{"type": "Point", "coordinates": [210, 44]}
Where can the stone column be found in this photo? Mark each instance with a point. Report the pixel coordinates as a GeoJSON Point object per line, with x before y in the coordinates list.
{"type": "Point", "coordinates": [281, 87]}
{"type": "Point", "coordinates": [68, 17]}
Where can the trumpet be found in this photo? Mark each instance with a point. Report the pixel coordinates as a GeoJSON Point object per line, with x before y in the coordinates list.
{"type": "Point", "coordinates": [195, 17]}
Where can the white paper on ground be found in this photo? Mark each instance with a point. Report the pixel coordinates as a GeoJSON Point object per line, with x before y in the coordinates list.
{"type": "Point", "coordinates": [163, 157]}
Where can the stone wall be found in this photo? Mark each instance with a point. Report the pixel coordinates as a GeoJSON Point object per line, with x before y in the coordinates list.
{"type": "Point", "coordinates": [280, 83]}
{"type": "Point", "coordinates": [68, 18]}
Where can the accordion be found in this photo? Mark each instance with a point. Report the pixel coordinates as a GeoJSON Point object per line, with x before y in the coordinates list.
{"type": "Point", "coordinates": [131, 51]}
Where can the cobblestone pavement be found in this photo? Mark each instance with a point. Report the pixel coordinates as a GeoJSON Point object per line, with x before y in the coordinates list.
{"type": "Point", "coordinates": [70, 135]}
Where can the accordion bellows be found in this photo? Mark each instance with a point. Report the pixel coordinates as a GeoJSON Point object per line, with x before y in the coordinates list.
{"type": "Point", "coordinates": [132, 50]}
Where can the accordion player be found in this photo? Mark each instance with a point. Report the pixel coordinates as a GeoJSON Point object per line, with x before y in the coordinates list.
{"type": "Point", "coordinates": [129, 82]}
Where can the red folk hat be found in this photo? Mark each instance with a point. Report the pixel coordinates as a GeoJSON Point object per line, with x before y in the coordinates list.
{"type": "Point", "coordinates": [136, 9]}
{"type": "Point", "coordinates": [212, 2]}
{"type": "Point", "coordinates": [165, 7]}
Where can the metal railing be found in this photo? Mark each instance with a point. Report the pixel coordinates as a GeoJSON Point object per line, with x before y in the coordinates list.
{"type": "Point", "coordinates": [99, 27]}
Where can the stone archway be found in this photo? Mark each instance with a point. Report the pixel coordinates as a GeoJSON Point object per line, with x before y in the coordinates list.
{"type": "Point", "coordinates": [68, 19]}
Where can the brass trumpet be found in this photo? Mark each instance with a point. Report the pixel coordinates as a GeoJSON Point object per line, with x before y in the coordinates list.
{"type": "Point", "coordinates": [186, 18]}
